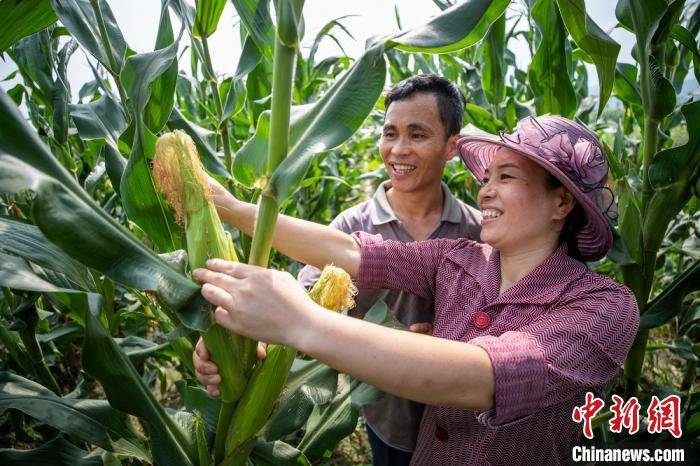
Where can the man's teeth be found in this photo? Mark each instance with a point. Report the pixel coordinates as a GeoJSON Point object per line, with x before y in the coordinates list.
{"type": "Point", "coordinates": [490, 213]}
{"type": "Point", "coordinates": [403, 168]}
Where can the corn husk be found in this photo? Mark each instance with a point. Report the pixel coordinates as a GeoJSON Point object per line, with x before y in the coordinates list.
{"type": "Point", "coordinates": [334, 290]}
{"type": "Point", "coordinates": [180, 178]}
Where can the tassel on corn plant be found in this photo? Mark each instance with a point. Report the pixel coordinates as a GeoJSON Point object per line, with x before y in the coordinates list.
{"type": "Point", "coordinates": [181, 179]}
{"type": "Point", "coordinates": [334, 290]}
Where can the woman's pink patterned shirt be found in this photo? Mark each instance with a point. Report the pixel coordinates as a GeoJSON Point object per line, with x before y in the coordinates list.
{"type": "Point", "coordinates": [559, 332]}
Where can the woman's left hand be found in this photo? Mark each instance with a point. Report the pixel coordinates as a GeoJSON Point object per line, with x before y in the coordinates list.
{"type": "Point", "coordinates": [263, 304]}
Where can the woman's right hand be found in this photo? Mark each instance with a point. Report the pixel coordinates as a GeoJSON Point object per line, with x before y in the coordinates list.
{"type": "Point", "coordinates": [222, 198]}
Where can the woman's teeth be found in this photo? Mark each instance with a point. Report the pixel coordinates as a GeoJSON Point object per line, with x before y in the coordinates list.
{"type": "Point", "coordinates": [490, 213]}
{"type": "Point", "coordinates": [402, 168]}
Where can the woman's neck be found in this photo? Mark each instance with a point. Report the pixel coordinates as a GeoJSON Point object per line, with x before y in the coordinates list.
{"type": "Point", "coordinates": [518, 263]}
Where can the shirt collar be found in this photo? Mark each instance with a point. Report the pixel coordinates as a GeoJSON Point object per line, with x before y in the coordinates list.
{"type": "Point", "coordinates": [383, 213]}
{"type": "Point", "coordinates": [543, 285]}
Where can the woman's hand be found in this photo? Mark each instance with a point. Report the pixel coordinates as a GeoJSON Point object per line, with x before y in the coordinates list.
{"type": "Point", "coordinates": [222, 198]}
{"type": "Point", "coordinates": [262, 304]}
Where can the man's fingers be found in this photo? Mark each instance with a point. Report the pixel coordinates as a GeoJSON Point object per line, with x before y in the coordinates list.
{"type": "Point", "coordinates": [202, 350]}
{"type": "Point", "coordinates": [422, 327]}
{"type": "Point", "coordinates": [234, 269]}
{"type": "Point", "coordinates": [262, 350]}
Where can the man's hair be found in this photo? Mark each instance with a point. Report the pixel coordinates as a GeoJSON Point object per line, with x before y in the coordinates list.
{"type": "Point", "coordinates": [450, 100]}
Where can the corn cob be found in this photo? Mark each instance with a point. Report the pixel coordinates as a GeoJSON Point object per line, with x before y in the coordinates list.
{"type": "Point", "coordinates": [334, 290]}
{"type": "Point", "coordinates": [180, 178]}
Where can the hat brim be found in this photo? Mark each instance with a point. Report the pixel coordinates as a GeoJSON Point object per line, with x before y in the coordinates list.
{"type": "Point", "coordinates": [595, 237]}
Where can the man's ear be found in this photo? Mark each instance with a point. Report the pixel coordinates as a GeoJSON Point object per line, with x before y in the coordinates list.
{"type": "Point", "coordinates": [452, 146]}
{"type": "Point", "coordinates": [565, 203]}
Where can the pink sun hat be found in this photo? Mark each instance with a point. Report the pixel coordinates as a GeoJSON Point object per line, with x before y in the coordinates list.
{"type": "Point", "coordinates": [570, 152]}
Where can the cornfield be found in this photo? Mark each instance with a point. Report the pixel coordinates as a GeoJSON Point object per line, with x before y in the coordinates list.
{"type": "Point", "coordinates": [98, 313]}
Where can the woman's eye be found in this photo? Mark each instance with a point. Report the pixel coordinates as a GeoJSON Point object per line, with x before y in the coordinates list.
{"type": "Point", "coordinates": [504, 176]}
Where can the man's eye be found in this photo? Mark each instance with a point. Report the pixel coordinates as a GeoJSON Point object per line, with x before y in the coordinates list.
{"type": "Point", "coordinates": [418, 136]}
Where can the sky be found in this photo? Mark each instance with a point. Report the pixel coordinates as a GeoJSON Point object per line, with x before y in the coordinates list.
{"type": "Point", "coordinates": [138, 20]}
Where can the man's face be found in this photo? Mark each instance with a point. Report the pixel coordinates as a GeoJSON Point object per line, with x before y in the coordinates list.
{"type": "Point", "coordinates": [414, 145]}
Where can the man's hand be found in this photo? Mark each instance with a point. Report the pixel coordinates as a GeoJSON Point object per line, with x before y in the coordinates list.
{"type": "Point", "coordinates": [422, 327]}
{"type": "Point", "coordinates": [206, 371]}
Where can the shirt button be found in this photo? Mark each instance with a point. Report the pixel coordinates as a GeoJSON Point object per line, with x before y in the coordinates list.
{"type": "Point", "coordinates": [481, 320]}
{"type": "Point", "coordinates": [441, 434]}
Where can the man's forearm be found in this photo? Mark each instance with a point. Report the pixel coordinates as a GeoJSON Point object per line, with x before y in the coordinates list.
{"type": "Point", "coordinates": [418, 367]}
{"type": "Point", "coordinates": [304, 241]}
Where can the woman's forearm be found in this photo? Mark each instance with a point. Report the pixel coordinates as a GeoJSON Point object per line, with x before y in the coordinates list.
{"type": "Point", "coordinates": [301, 240]}
{"type": "Point", "coordinates": [418, 367]}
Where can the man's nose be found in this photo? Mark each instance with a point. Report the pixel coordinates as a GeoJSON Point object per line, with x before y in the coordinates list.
{"type": "Point", "coordinates": [401, 146]}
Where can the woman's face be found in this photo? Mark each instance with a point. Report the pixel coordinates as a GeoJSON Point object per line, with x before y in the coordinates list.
{"type": "Point", "coordinates": [519, 210]}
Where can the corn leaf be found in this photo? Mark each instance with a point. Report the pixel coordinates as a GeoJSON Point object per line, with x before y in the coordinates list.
{"type": "Point", "coordinates": [93, 421]}
{"type": "Point", "coordinates": [61, 204]}
{"type": "Point", "coordinates": [493, 66]}
{"type": "Point", "coordinates": [255, 17]}
{"type": "Point", "coordinates": [673, 173]}
{"type": "Point", "coordinates": [99, 119]}
{"type": "Point", "coordinates": [162, 98]}
{"type": "Point", "coordinates": [207, 17]}
{"type": "Point", "coordinates": [79, 18]}
{"type": "Point", "coordinates": [126, 391]}
{"type": "Point", "coordinates": [22, 18]}
{"type": "Point", "coordinates": [57, 452]}
{"type": "Point", "coordinates": [548, 73]}
{"type": "Point", "coordinates": [139, 196]}
{"type": "Point", "coordinates": [668, 303]}
{"type": "Point", "coordinates": [590, 38]}
{"type": "Point", "coordinates": [458, 27]}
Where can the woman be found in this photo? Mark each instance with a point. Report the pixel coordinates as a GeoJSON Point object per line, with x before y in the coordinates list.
{"type": "Point", "coordinates": [522, 329]}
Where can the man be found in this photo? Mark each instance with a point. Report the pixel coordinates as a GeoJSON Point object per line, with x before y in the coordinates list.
{"type": "Point", "coordinates": [421, 129]}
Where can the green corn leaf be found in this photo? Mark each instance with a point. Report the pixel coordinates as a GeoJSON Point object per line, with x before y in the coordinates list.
{"type": "Point", "coordinates": [548, 73]}
{"type": "Point", "coordinates": [57, 452]}
{"type": "Point", "coordinates": [277, 453]}
{"type": "Point", "coordinates": [79, 18]}
{"type": "Point", "coordinates": [458, 27]}
{"type": "Point", "coordinates": [673, 173]}
{"type": "Point", "coordinates": [668, 303]}
{"type": "Point", "coordinates": [26, 241]}
{"type": "Point", "coordinates": [663, 94]}
{"type": "Point", "coordinates": [99, 119]}
{"type": "Point", "coordinates": [160, 103]}
{"type": "Point", "coordinates": [140, 199]}
{"type": "Point", "coordinates": [625, 85]}
{"type": "Point", "coordinates": [126, 391]}
{"type": "Point", "coordinates": [685, 37]}
{"type": "Point", "coordinates": [61, 204]}
{"type": "Point", "coordinates": [590, 38]}
{"type": "Point", "coordinates": [22, 18]}
{"type": "Point", "coordinates": [255, 17]}
{"type": "Point", "coordinates": [493, 68]}
{"type": "Point", "coordinates": [93, 421]}
{"type": "Point", "coordinates": [207, 17]}
{"type": "Point", "coordinates": [630, 222]}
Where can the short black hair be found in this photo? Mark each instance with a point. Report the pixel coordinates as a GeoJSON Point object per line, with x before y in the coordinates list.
{"type": "Point", "coordinates": [450, 100]}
